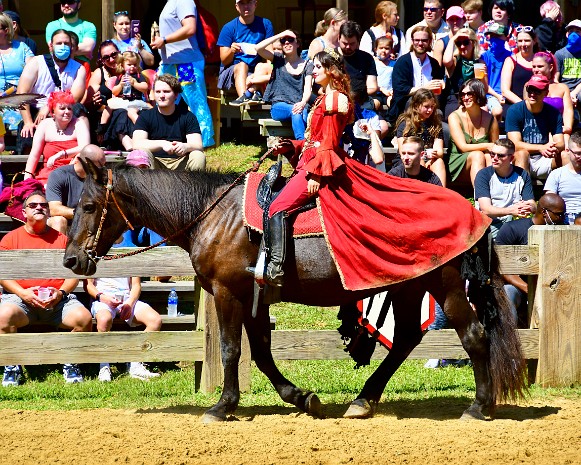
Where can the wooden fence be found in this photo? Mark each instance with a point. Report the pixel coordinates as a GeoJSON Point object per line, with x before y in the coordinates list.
{"type": "Point", "coordinates": [552, 254]}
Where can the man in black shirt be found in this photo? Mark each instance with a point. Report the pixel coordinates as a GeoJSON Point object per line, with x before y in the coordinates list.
{"type": "Point", "coordinates": [412, 149]}
{"type": "Point", "coordinates": [170, 133]}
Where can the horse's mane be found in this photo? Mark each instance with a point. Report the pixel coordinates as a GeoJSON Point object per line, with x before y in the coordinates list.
{"type": "Point", "coordinates": [183, 193]}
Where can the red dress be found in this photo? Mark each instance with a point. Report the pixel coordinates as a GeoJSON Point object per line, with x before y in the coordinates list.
{"type": "Point", "coordinates": [52, 148]}
{"type": "Point", "coordinates": [381, 229]}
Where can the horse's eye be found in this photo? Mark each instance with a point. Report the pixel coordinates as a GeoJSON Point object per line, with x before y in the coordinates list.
{"type": "Point", "coordinates": [89, 208]}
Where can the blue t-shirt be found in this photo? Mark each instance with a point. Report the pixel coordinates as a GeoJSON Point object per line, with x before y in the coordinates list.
{"type": "Point", "coordinates": [12, 64]}
{"type": "Point", "coordinates": [236, 32]}
{"type": "Point", "coordinates": [534, 127]}
{"type": "Point", "coordinates": [494, 67]}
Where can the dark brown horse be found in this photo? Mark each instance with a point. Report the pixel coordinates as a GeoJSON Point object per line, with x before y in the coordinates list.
{"type": "Point", "coordinates": [220, 250]}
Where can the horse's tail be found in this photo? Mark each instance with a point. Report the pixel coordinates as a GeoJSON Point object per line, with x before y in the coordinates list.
{"type": "Point", "coordinates": [506, 363]}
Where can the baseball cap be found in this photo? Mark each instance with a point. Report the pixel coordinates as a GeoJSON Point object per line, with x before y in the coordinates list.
{"type": "Point", "coordinates": [574, 23]}
{"type": "Point", "coordinates": [138, 158]}
{"type": "Point", "coordinates": [497, 28]}
{"type": "Point", "coordinates": [539, 81]}
{"type": "Point", "coordinates": [455, 11]}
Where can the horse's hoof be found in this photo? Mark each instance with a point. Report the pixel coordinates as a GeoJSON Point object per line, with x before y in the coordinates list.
{"type": "Point", "coordinates": [313, 405]}
{"type": "Point", "coordinates": [210, 418]}
{"type": "Point", "coordinates": [470, 415]}
{"type": "Point", "coordinates": [360, 408]}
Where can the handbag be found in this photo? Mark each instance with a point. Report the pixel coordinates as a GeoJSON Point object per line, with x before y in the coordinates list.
{"type": "Point", "coordinates": [13, 196]}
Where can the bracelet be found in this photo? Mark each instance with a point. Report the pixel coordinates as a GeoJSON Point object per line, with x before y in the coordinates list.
{"type": "Point", "coordinates": [65, 153]}
{"type": "Point", "coordinates": [32, 174]}
{"type": "Point", "coordinates": [64, 293]}
{"type": "Point", "coordinates": [98, 297]}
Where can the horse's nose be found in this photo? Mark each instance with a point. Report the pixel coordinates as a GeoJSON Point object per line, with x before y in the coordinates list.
{"type": "Point", "coordinates": [70, 261]}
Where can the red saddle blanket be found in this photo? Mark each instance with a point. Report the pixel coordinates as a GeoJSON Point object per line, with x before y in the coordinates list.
{"type": "Point", "coordinates": [305, 224]}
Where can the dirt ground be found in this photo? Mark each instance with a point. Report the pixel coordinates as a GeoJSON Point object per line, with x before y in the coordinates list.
{"type": "Point", "coordinates": [426, 432]}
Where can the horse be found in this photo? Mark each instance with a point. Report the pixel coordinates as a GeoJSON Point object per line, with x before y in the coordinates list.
{"type": "Point", "coordinates": [221, 249]}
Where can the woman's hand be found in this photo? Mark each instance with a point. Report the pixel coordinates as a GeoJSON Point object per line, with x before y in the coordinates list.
{"type": "Point", "coordinates": [298, 107]}
{"type": "Point", "coordinates": [55, 157]}
{"type": "Point", "coordinates": [313, 184]}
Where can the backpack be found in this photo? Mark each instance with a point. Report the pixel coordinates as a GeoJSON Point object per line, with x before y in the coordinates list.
{"type": "Point", "coordinates": [207, 31]}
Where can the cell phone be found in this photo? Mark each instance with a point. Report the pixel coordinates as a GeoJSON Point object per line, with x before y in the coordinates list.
{"type": "Point", "coordinates": [135, 27]}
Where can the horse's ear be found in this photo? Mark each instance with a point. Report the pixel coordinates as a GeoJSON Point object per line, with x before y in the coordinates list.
{"type": "Point", "coordinates": [93, 170]}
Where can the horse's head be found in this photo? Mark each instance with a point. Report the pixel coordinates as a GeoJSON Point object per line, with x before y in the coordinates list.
{"type": "Point", "coordinates": [97, 222]}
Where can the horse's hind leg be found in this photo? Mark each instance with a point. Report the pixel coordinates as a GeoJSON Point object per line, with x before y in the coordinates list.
{"type": "Point", "coordinates": [259, 336]}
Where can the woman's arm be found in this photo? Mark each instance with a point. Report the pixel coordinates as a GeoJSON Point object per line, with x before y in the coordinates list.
{"type": "Point", "coordinates": [438, 147]}
{"type": "Point", "coordinates": [307, 92]}
{"type": "Point", "coordinates": [147, 57]}
{"type": "Point", "coordinates": [457, 136]}
{"type": "Point", "coordinates": [449, 60]}
{"type": "Point", "coordinates": [264, 48]}
{"type": "Point", "coordinates": [38, 143]}
{"type": "Point", "coordinates": [568, 110]}
{"type": "Point", "coordinates": [506, 81]}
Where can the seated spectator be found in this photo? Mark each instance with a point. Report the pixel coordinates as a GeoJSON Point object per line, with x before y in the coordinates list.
{"type": "Point", "coordinates": [472, 131]}
{"type": "Point", "coordinates": [422, 119]}
{"type": "Point", "coordinates": [536, 130]}
{"type": "Point", "coordinates": [384, 65]}
{"type": "Point", "coordinates": [169, 132]}
{"type": "Point", "coordinates": [65, 184]}
{"type": "Point", "coordinates": [386, 20]}
{"type": "Point", "coordinates": [551, 33]}
{"type": "Point", "coordinates": [549, 211]}
{"type": "Point", "coordinates": [566, 181]}
{"type": "Point", "coordinates": [15, 54]}
{"type": "Point", "coordinates": [518, 69]}
{"type": "Point", "coordinates": [49, 301]}
{"type": "Point", "coordinates": [569, 60]}
{"type": "Point", "coordinates": [413, 71]}
{"type": "Point", "coordinates": [43, 75]}
{"type": "Point", "coordinates": [494, 59]}
{"type": "Point", "coordinates": [433, 13]}
{"type": "Point", "coordinates": [411, 153]}
{"type": "Point", "coordinates": [119, 297]}
{"type": "Point", "coordinates": [124, 41]}
{"type": "Point", "coordinates": [361, 138]}
{"type": "Point", "coordinates": [289, 89]}
{"type": "Point", "coordinates": [20, 33]}
{"type": "Point", "coordinates": [58, 138]}
{"type": "Point", "coordinates": [503, 191]}
{"type": "Point", "coordinates": [237, 52]}
{"type": "Point", "coordinates": [455, 19]}
{"type": "Point", "coordinates": [327, 32]}
{"type": "Point", "coordinates": [501, 11]}
{"type": "Point", "coordinates": [473, 12]}
{"type": "Point", "coordinates": [461, 57]}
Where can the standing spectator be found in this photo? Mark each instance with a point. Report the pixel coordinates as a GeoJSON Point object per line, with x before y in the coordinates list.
{"type": "Point", "coordinates": [411, 153]}
{"type": "Point", "coordinates": [20, 33]}
{"type": "Point", "coordinates": [566, 181]}
{"type": "Point", "coordinates": [472, 131]}
{"type": "Point", "coordinates": [433, 13]}
{"type": "Point", "coordinates": [550, 32]}
{"type": "Point", "coordinates": [569, 59]}
{"type": "Point", "coordinates": [21, 302]}
{"type": "Point", "coordinates": [503, 191]}
{"type": "Point", "coordinates": [327, 32]}
{"type": "Point", "coordinates": [518, 69]}
{"type": "Point", "coordinates": [237, 52]}
{"type": "Point", "coordinates": [85, 30]}
{"type": "Point", "coordinates": [124, 41]}
{"type": "Point", "coordinates": [169, 132]}
{"type": "Point", "coordinates": [384, 65]}
{"type": "Point", "coordinates": [181, 57]}
{"type": "Point", "coordinates": [501, 12]}
{"type": "Point", "coordinates": [65, 184]}
{"type": "Point", "coordinates": [473, 11]}
{"type": "Point", "coordinates": [413, 71]}
{"type": "Point", "coordinates": [14, 54]}
{"type": "Point", "coordinates": [536, 130]}
{"type": "Point", "coordinates": [386, 20]}
{"type": "Point", "coordinates": [291, 82]}
{"type": "Point", "coordinates": [494, 59]}
{"type": "Point", "coordinates": [455, 19]}
{"type": "Point", "coordinates": [43, 75]}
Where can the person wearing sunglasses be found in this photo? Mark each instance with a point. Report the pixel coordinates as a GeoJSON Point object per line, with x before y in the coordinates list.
{"type": "Point", "coordinates": [501, 11]}
{"type": "Point", "coordinates": [566, 180]}
{"type": "Point", "coordinates": [23, 303]}
{"type": "Point", "coordinates": [455, 18]}
{"type": "Point", "coordinates": [291, 81]}
{"type": "Point", "coordinates": [536, 130]}
{"type": "Point", "coordinates": [433, 18]}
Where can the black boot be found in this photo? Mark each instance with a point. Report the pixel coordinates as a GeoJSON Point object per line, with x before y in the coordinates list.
{"type": "Point", "coordinates": [276, 249]}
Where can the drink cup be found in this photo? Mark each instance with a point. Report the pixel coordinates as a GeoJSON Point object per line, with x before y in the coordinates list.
{"type": "Point", "coordinates": [120, 296]}
{"type": "Point", "coordinates": [438, 90]}
{"type": "Point", "coordinates": [43, 293]}
{"type": "Point", "coordinates": [479, 70]}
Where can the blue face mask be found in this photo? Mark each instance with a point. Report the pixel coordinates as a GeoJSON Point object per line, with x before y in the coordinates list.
{"type": "Point", "coordinates": [496, 43]}
{"type": "Point", "coordinates": [62, 52]}
{"type": "Point", "coordinates": [574, 43]}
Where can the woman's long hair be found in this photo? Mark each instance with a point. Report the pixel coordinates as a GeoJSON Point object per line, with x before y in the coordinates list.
{"type": "Point", "coordinates": [551, 61]}
{"type": "Point", "coordinates": [411, 115]}
{"type": "Point", "coordinates": [330, 15]}
{"type": "Point", "coordinates": [333, 63]}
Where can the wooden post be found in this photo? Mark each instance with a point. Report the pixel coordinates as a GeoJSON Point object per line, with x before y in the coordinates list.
{"type": "Point", "coordinates": [559, 304]}
{"type": "Point", "coordinates": [107, 30]}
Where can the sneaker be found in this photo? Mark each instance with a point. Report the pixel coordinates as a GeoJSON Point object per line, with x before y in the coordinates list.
{"type": "Point", "coordinates": [105, 374]}
{"type": "Point", "coordinates": [12, 375]}
{"type": "Point", "coordinates": [138, 370]}
{"type": "Point", "coordinates": [242, 100]}
{"type": "Point", "coordinates": [432, 363]}
{"type": "Point", "coordinates": [256, 99]}
{"type": "Point", "coordinates": [72, 373]}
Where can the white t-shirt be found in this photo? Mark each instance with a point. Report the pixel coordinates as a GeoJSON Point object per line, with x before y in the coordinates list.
{"type": "Point", "coordinates": [567, 183]}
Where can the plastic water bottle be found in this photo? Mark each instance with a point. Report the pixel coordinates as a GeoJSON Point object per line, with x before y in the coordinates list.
{"type": "Point", "coordinates": [127, 86]}
{"type": "Point", "coordinates": [172, 303]}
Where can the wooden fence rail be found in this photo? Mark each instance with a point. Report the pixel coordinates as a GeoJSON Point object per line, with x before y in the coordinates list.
{"type": "Point", "coordinates": [552, 254]}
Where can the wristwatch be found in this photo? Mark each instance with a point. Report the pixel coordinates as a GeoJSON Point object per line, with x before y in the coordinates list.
{"type": "Point", "coordinates": [164, 40]}
{"type": "Point", "coordinates": [98, 297]}
{"type": "Point", "coordinates": [64, 293]}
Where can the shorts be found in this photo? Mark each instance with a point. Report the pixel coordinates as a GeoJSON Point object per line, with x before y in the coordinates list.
{"type": "Point", "coordinates": [226, 77]}
{"type": "Point", "coordinates": [540, 166]}
{"type": "Point", "coordinates": [139, 306]}
{"type": "Point", "coordinates": [492, 102]}
{"type": "Point", "coordinates": [53, 316]}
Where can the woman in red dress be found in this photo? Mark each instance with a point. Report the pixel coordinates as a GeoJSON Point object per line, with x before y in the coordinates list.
{"type": "Point", "coordinates": [380, 229]}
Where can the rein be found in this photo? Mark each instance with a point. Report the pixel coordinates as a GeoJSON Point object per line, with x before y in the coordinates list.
{"type": "Point", "coordinates": [109, 189]}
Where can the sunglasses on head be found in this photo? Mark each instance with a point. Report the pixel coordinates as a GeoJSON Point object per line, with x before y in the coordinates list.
{"type": "Point", "coordinates": [524, 29]}
{"type": "Point", "coordinates": [463, 43]}
{"type": "Point", "coordinates": [533, 90]}
{"type": "Point", "coordinates": [33, 205]}
{"type": "Point", "coordinates": [284, 40]}
{"type": "Point", "coordinates": [121, 13]}
{"type": "Point", "coordinates": [108, 57]}
{"type": "Point", "coordinates": [431, 9]}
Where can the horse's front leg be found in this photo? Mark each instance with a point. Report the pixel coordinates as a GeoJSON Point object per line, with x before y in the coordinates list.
{"type": "Point", "coordinates": [230, 314]}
